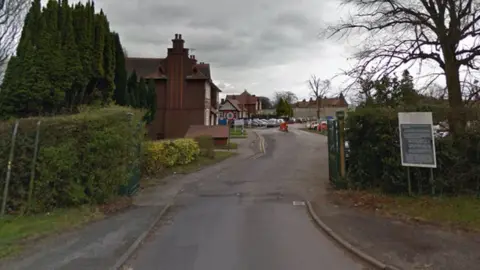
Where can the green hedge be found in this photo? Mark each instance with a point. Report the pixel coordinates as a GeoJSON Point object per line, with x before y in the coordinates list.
{"type": "Point", "coordinates": [374, 159]}
{"type": "Point", "coordinates": [168, 153]}
{"type": "Point", "coordinates": [83, 158]}
{"type": "Point", "coordinates": [207, 146]}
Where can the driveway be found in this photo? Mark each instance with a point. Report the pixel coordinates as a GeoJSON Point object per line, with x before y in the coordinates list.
{"type": "Point", "coordinates": [249, 216]}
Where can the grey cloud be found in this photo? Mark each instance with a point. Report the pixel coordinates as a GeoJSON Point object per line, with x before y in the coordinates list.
{"type": "Point", "coordinates": [243, 40]}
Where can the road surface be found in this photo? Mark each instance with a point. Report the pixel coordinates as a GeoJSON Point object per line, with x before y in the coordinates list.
{"type": "Point", "coordinates": [250, 216]}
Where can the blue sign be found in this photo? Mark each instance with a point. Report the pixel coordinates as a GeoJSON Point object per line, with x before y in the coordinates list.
{"type": "Point", "coordinates": [222, 121]}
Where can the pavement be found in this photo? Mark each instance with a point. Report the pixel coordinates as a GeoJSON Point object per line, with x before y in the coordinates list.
{"type": "Point", "coordinates": [249, 216]}
{"type": "Point", "coordinates": [248, 212]}
{"type": "Point", "coordinates": [100, 244]}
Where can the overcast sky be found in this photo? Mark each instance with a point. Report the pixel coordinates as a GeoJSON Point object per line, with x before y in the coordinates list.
{"type": "Point", "coordinates": [259, 45]}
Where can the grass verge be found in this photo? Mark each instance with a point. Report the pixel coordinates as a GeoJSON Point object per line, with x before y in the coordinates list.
{"type": "Point", "coordinates": [16, 232]}
{"type": "Point", "coordinates": [230, 145]}
{"type": "Point", "coordinates": [237, 134]}
{"type": "Point", "coordinates": [198, 164]}
{"type": "Point", "coordinates": [460, 212]}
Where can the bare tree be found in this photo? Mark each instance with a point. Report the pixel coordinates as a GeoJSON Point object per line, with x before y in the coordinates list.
{"type": "Point", "coordinates": [288, 96]}
{"type": "Point", "coordinates": [11, 18]}
{"type": "Point", "coordinates": [405, 32]}
{"type": "Point", "coordinates": [320, 89]}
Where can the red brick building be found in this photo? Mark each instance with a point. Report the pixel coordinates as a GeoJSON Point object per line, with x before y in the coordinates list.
{"type": "Point", "coordinates": [230, 107]}
{"type": "Point", "coordinates": [186, 94]}
{"type": "Point", "coordinates": [328, 107]}
{"type": "Point", "coordinates": [251, 104]}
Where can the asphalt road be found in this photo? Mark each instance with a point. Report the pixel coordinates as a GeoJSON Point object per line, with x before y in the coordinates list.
{"type": "Point", "coordinates": [250, 216]}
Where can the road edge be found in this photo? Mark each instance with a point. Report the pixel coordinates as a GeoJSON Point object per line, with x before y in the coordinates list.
{"type": "Point", "coordinates": [345, 244]}
{"type": "Point", "coordinates": [136, 244]}
{"type": "Point", "coordinates": [261, 144]}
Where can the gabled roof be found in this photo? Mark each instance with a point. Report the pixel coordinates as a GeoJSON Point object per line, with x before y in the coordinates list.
{"type": "Point", "coordinates": [234, 103]}
{"type": "Point", "coordinates": [200, 72]}
{"type": "Point", "coordinates": [244, 98]}
{"type": "Point", "coordinates": [204, 68]}
{"type": "Point", "coordinates": [144, 67]}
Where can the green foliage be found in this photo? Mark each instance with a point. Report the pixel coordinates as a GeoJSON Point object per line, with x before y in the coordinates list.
{"type": "Point", "coordinates": [283, 108]}
{"type": "Point", "coordinates": [188, 150]}
{"type": "Point", "coordinates": [82, 159]}
{"type": "Point", "coordinates": [66, 58]}
{"type": "Point", "coordinates": [207, 146]}
{"type": "Point", "coordinates": [374, 158]}
{"type": "Point", "coordinates": [165, 154]}
{"type": "Point", "coordinates": [389, 91]}
{"type": "Point", "coordinates": [120, 73]}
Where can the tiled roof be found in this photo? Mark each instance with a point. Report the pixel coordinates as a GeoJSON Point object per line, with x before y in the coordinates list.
{"type": "Point", "coordinates": [234, 104]}
{"type": "Point", "coordinates": [204, 68]}
{"type": "Point", "coordinates": [244, 98]}
{"type": "Point", "coordinates": [201, 130]}
{"type": "Point", "coordinates": [145, 67]}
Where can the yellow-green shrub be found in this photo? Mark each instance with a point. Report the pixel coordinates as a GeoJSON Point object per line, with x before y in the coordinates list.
{"type": "Point", "coordinates": [188, 150]}
{"type": "Point", "coordinates": [164, 154]}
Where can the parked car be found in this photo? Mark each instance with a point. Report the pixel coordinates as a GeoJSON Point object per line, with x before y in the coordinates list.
{"type": "Point", "coordinates": [272, 122]}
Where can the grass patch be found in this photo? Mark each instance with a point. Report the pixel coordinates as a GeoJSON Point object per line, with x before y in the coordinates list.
{"type": "Point", "coordinates": [230, 145]}
{"type": "Point", "coordinates": [238, 133]}
{"type": "Point", "coordinates": [323, 132]}
{"type": "Point", "coordinates": [18, 231]}
{"type": "Point", "coordinates": [461, 212]}
{"type": "Point", "coordinates": [200, 163]}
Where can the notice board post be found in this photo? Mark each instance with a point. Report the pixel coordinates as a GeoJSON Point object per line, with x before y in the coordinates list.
{"type": "Point", "coordinates": [417, 143]}
{"type": "Point", "coordinates": [341, 141]}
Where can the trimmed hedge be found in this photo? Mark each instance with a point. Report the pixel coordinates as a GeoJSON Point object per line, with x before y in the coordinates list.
{"type": "Point", "coordinates": [374, 159]}
{"type": "Point", "coordinates": [164, 154]}
{"type": "Point", "coordinates": [82, 159]}
{"type": "Point", "coordinates": [207, 146]}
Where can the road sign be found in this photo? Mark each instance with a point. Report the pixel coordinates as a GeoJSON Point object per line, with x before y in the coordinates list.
{"type": "Point", "coordinates": [239, 123]}
{"type": "Point", "coordinates": [230, 115]}
{"type": "Point", "coordinates": [417, 143]}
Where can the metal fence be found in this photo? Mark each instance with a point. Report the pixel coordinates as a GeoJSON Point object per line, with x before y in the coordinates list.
{"type": "Point", "coordinates": [333, 151]}
{"type": "Point", "coordinates": [336, 153]}
{"type": "Point", "coordinates": [20, 158]}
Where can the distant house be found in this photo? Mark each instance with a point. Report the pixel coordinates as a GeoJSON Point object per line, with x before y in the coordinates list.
{"type": "Point", "coordinates": [329, 106]}
{"type": "Point", "coordinates": [251, 104]}
{"type": "Point", "coordinates": [186, 94]}
{"type": "Point", "coordinates": [231, 107]}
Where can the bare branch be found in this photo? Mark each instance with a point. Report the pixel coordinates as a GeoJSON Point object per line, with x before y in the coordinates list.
{"type": "Point", "coordinates": [319, 87]}
{"type": "Point", "coordinates": [11, 21]}
{"type": "Point", "coordinates": [411, 31]}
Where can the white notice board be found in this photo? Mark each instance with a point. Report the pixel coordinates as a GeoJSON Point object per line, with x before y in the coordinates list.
{"type": "Point", "coordinates": [417, 142]}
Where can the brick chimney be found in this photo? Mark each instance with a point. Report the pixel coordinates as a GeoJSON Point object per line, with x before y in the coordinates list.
{"type": "Point", "coordinates": [178, 43]}
{"type": "Point", "coordinates": [194, 60]}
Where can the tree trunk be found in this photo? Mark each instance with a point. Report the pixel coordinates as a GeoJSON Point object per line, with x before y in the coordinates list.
{"type": "Point", "coordinates": [456, 117]}
{"type": "Point", "coordinates": [318, 108]}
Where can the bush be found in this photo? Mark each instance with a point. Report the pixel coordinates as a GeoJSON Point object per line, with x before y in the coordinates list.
{"type": "Point", "coordinates": [83, 158]}
{"type": "Point", "coordinates": [374, 158]}
{"type": "Point", "coordinates": [207, 146]}
{"type": "Point", "coordinates": [165, 154]}
{"type": "Point", "coordinates": [188, 150]}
